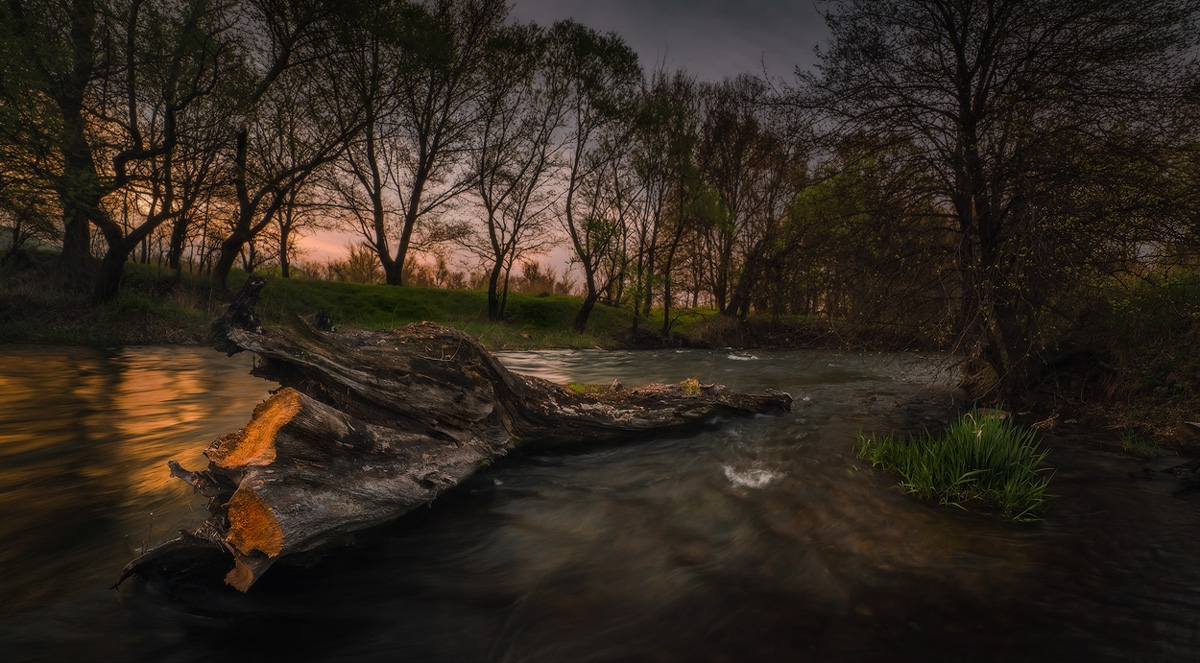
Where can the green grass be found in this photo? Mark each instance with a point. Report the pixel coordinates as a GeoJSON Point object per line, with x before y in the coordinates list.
{"type": "Point", "coordinates": [982, 461]}
{"type": "Point", "coordinates": [1137, 445]}
{"type": "Point", "coordinates": [153, 308]}
{"type": "Point", "coordinates": [532, 321]}
{"type": "Point", "coordinates": [33, 310]}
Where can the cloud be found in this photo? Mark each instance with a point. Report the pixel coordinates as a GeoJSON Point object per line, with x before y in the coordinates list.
{"type": "Point", "coordinates": [327, 245]}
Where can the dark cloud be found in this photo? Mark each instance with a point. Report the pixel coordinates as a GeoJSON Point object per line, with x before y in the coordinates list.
{"type": "Point", "coordinates": [712, 39]}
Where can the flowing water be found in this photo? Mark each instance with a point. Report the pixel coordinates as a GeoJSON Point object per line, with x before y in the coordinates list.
{"type": "Point", "coordinates": [763, 539]}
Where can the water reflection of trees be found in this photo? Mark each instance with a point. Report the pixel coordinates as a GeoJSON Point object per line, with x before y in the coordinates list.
{"type": "Point", "coordinates": [84, 439]}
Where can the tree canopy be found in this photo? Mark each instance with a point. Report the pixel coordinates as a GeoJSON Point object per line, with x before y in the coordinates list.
{"type": "Point", "coordinates": [963, 170]}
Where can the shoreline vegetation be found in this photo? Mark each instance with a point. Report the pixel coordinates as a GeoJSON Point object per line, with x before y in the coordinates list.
{"type": "Point", "coordinates": [984, 460]}
{"type": "Point", "coordinates": [154, 307]}
{"type": "Point", "coordinates": [1131, 372]}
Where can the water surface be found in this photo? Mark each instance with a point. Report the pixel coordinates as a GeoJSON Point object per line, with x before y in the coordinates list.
{"type": "Point", "coordinates": [764, 539]}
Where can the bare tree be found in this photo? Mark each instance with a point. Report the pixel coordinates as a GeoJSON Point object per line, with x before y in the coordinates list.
{"type": "Point", "coordinates": [995, 96]}
{"type": "Point", "coordinates": [291, 117]}
{"type": "Point", "coordinates": [376, 83]}
{"type": "Point", "coordinates": [603, 75]}
{"type": "Point", "coordinates": [662, 163]}
{"type": "Point", "coordinates": [752, 155]}
{"type": "Point", "coordinates": [411, 164]}
{"type": "Point", "coordinates": [517, 143]}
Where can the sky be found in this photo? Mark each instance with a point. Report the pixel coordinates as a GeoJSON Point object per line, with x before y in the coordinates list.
{"type": "Point", "coordinates": [712, 39]}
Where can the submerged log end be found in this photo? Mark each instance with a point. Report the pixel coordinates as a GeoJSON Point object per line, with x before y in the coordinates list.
{"type": "Point", "coordinates": [247, 569]}
{"type": "Point", "coordinates": [180, 557]}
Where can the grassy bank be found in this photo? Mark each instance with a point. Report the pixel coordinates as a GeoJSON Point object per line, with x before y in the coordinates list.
{"type": "Point", "coordinates": [147, 311]}
{"type": "Point", "coordinates": [1137, 349]}
{"type": "Point", "coordinates": [982, 461]}
{"type": "Point", "coordinates": [532, 320]}
{"type": "Point", "coordinates": [153, 307]}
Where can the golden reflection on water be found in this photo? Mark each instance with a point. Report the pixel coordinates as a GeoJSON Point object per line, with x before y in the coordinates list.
{"type": "Point", "coordinates": [85, 436]}
{"type": "Point", "coordinates": [164, 412]}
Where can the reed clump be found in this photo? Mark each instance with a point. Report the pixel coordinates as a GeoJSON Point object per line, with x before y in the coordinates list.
{"type": "Point", "coordinates": [982, 461]}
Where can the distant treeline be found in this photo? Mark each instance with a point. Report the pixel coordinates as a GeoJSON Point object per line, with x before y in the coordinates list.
{"type": "Point", "coordinates": [985, 171]}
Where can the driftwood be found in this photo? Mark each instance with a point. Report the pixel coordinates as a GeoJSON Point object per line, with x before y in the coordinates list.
{"type": "Point", "coordinates": [369, 425]}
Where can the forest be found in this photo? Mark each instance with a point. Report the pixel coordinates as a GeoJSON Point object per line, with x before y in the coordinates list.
{"type": "Point", "coordinates": [1011, 180]}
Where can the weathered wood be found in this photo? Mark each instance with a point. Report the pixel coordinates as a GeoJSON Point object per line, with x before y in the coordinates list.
{"type": "Point", "coordinates": [239, 315]}
{"type": "Point", "coordinates": [370, 425]}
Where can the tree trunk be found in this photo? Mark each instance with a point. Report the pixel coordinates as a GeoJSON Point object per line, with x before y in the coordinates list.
{"type": "Point", "coordinates": [668, 265]}
{"type": "Point", "coordinates": [591, 296]}
{"type": "Point", "coordinates": [393, 272]}
{"type": "Point", "coordinates": [284, 239]}
{"type": "Point", "coordinates": [494, 309]}
{"type": "Point", "coordinates": [77, 185]}
{"type": "Point", "coordinates": [112, 269]}
{"type": "Point", "coordinates": [585, 312]}
{"type": "Point", "coordinates": [75, 268]}
{"type": "Point", "coordinates": [369, 425]}
{"type": "Point", "coordinates": [175, 249]}
{"type": "Point", "coordinates": [226, 257]}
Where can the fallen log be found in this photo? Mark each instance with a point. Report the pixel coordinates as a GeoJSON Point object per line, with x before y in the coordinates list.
{"type": "Point", "coordinates": [369, 425]}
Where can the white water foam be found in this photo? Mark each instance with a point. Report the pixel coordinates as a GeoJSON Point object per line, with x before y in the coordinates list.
{"type": "Point", "coordinates": [753, 478]}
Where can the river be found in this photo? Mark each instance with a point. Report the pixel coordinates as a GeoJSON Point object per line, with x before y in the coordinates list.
{"type": "Point", "coordinates": [764, 539]}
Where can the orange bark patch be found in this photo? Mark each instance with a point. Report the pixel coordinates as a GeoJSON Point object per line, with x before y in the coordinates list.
{"type": "Point", "coordinates": [255, 444]}
{"type": "Point", "coordinates": [252, 525]}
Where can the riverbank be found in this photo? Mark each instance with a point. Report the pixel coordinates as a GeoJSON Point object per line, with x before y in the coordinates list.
{"type": "Point", "coordinates": [155, 308]}
{"type": "Point", "coordinates": [1143, 382]}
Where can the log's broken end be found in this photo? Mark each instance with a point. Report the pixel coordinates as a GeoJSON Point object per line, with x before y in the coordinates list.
{"type": "Point", "coordinates": [253, 533]}
{"type": "Point", "coordinates": [255, 444]}
{"type": "Point", "coordinates": [252, 524]}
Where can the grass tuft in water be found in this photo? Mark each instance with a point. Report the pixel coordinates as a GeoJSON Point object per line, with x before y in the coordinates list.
{"type": "Point", "coordinates": [1139, 446]}
{"type": "Point", "coordinates": [983, 460]}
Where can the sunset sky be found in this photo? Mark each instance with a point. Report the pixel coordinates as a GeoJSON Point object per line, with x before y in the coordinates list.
{"type": "Point", "coordinates": [712, 39]}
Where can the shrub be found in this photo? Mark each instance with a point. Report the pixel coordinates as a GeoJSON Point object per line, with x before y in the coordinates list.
{"type": "Point", "coordinates": [983, 460]}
